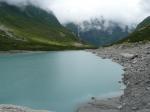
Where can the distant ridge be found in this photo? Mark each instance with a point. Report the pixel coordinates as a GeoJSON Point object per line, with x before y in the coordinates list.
{"type": "Point", "coordinates": [99, 31]}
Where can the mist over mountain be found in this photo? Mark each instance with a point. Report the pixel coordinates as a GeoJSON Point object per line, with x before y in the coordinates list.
{"type": "Point", "coordinates": [125, 12]}
{"type": "Point", "coordinates": [99, 22]}
{"type": "Point", "coordinates": [99, 32]}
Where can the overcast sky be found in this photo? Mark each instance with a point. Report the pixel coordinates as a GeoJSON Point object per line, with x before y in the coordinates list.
{"type": "Point", "coordinates": [124, 11]}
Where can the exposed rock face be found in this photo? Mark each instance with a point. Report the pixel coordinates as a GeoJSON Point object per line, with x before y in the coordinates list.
{"type": "Point", "coordinates": [136, 61]}
{"type": "Point", "coordinates": [13, 108]}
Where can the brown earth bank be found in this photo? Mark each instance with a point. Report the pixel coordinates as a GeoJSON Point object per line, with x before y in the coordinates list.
{"type": "Point", "coordinates": [135, 58]}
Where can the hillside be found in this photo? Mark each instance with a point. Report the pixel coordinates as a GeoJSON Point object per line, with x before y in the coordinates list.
{"type": "Point", "coordinates": [142, 32]}
{"type": "Point", "coordinates": [31, 28]}
{"type": "Point", "coordinates": [144, 23]}
{"type": "Point", "coordinates": [99, 31]}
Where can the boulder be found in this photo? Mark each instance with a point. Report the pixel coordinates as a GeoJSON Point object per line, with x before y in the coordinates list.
{"type": "Point", "coordinates": [128, 55]}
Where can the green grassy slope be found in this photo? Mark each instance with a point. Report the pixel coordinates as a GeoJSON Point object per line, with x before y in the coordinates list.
{"type": "Point", "coordinates": [32, 28]}
{"type": "Point", "coordinates": [144, 23]}
{"type": "Point", "coordinates": [142, 32]}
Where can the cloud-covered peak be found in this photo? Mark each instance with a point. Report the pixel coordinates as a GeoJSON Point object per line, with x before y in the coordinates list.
{"type": "Point", "coordinates": [122, 11]}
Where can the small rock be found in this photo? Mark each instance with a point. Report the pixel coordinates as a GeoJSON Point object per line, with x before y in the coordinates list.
{"type": "Point", "coordinates": [119, 107]}
{"type": "Point", "coordinates": [134, 108]}
{"type": "Point", "coordinates": [148, 88]}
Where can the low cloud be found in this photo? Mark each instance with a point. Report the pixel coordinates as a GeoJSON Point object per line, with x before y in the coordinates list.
{"type": "Point", "coordinates": [45, 4]}
{"type": "Point", "coordinates": [146, 5]}
{"type": "Point", "coordinates": [122, 11]}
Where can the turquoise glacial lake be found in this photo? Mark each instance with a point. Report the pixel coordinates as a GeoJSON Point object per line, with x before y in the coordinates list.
{"type": "Point", "coordinates": [57, 81]}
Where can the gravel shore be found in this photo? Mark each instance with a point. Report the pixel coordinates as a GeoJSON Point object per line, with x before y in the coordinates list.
{"type": "Point", "coordinates": [13, 108]}
{"type": "Point", "coordinates": [135, 58]}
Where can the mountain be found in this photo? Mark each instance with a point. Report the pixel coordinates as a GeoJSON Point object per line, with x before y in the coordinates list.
{"type": "Point", "coordinates": [32, 28]}
{"type": "Point", "coordinates": [144, 23]}
{"type": "Point", "coordinates": [99, 32]}
{"type": "Point", "coordinates": [141, 33]}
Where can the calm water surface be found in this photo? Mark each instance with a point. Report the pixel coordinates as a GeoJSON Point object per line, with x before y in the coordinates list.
{"type": "Point", "coordinates": [56, 81]}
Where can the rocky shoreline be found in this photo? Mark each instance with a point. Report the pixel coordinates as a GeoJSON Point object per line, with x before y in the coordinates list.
{"type": "Point", "coordinates": [135, 58]}
{"type": "Point", "coordinates": [13, 108]}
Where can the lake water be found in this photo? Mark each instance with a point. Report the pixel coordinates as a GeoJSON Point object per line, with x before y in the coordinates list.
{"type": "Point", "coordinates": [56, 81]}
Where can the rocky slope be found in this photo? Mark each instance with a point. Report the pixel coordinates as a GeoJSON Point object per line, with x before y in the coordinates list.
{"type": "Point", "coordinates": [136, 61]}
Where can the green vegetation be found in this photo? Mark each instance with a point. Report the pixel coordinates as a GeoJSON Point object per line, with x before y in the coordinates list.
{"type": "Point", "coordinates": [142, 32]}
{"type": "Point", "coordinates": [31, 28]}
{"type": "Point", "coordinates": [144, 23]}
